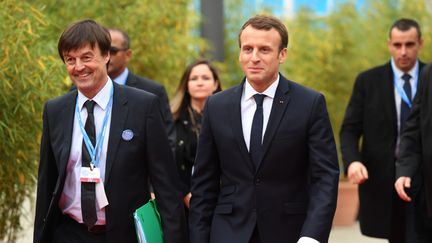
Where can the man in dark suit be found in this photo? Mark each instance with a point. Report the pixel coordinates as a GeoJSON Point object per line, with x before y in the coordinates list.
{"type": "Point", "coordinates": [416, 158]}
{"type": "Point", "coordinates": [375, 115]}
{"type": "Point", "coordinates": [266, 168]}
{"type": "Point", "coordinates": [92, 177]}
{"type": "Point", "coordinates": [120, 54]}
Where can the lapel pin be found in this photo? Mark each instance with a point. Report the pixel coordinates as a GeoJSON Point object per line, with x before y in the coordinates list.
{"type": "Point", "coordinates": [127, 135]}
{"type": "Point", "coordinates": [280, 101]}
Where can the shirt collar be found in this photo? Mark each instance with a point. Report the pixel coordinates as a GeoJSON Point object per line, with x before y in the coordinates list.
{"type": "Point", "coordinates": [121, 79]}
{"type": "Point", "coordinates": [270, 92]}
{"type": "Point", "coordinates": [102, 98]}
{"type": "Point", "coordinates": [398, 73]}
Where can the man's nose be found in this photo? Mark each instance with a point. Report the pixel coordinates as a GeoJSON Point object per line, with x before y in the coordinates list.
{"type": "Point", "coordinates": [403, 50]}
{"type": "Point", "coordinates": [255, 56]}
{"type": "Point", "coordinates": [79, 65]}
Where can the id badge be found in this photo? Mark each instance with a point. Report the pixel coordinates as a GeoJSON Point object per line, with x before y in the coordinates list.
{"type": "Point", "coordinates": [102, 199]}
{"type": "Point", "coordinates": [88, 175]}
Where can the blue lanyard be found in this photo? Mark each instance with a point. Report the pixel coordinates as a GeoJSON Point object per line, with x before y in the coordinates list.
{"type": "Point", "coordinates": [401, 91]}
{"type": "Point", "coordinates": [95, 151]}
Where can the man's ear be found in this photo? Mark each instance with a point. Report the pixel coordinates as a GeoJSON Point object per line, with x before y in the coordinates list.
{"type": "Point", "coordinates": [128, 54]}
{"type": "Point", "coordinates": [107, 58]}
{"type": "Point", "coordinates": [282, 55]}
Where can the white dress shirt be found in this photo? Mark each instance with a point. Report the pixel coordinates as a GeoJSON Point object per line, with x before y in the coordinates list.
{"type": "Point", "coordinates": [248, 107]}
{"type": "Point", "coordinates": [121, 79]}
{"type": "Point", "coordinates": [70, 199]}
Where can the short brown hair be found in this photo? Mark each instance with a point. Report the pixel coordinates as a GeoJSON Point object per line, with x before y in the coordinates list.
{"type": "Point", "coordinates": [405, 25]}
{"type": "Point", "coordinates": [82, 33]}
{"type": "Point", "coordinates": [265, 22]}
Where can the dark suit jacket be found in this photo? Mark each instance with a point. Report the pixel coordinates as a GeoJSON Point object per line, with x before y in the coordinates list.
{"type": "Point", "coordinates": [371, 117]}
{"type": "Point", "coordinates": [159, 90]}
{"type": "Point", "coordinates": [129, 166]}
{"type": "Point", "coordinates": [293, 191]}
{"type": "Point", "coordinates": [416, 145]}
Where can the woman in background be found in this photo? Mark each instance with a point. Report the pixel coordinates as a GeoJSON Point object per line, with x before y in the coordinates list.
{"type": "Point", "coordinates": [199, 81]}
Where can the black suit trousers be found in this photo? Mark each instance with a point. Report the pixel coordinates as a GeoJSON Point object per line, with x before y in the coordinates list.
{"type": "Point", "coordinates": [70, 231]}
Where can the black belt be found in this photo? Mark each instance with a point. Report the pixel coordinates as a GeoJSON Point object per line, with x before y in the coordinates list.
{"type": "Point", "coordinates": [95, 229]}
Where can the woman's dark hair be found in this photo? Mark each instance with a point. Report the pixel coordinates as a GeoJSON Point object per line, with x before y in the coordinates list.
{"type": "Point", "coordinates": [182, 98]}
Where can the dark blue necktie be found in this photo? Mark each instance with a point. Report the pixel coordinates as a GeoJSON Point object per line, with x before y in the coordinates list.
{"type": "Point", "coordinates": [255, 148]}
{"type": "Point", "coordinates": [405, 109]}
{"type": "Point", "coordinates": [88, 194]}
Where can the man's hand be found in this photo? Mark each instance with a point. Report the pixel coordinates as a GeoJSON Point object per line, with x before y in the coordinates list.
{"type": "Point", "coordinates": [357, 172]}
{"type": "Point", "coordinates": [186, 199]}
{"type": "Point", "coordinates": [400, 185]}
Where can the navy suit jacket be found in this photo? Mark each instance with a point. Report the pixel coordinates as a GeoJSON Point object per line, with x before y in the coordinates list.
{"type": "Point", "coordinates": [293, 191]}
{"type": "Point", "coordinates": [129, 166]}
{"type": "Point", "coordinates": [151, 86]}
{"type": "Point", "coordinates": [415, 148]}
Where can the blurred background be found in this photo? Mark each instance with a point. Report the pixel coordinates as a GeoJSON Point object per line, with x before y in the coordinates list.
{"type": "Point", "coordinates": [331, 41]}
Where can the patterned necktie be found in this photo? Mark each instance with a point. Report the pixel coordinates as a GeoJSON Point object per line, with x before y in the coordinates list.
{"type": "Point", "coordinates": [405, 109]}
{"type": "Point", "coordinates": [255, 148]}
{"type": "Point", "coordinates": [88, 195]}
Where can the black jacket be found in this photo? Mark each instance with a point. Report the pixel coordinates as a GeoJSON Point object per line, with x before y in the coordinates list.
{"type": "Point", "coordinates": [159, 90]}
{"type": "Point", "coordinates": [369, 134]}
{"type": "Point", "coordinates": [186, 147]}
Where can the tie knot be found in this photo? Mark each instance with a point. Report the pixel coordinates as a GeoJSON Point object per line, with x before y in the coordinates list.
{"type": "Point", "coordinates": [89, 105]}
{"type": "Point", "coordinates": [259, 98]}
{"type": "Point", "coordinates": [406, 77]}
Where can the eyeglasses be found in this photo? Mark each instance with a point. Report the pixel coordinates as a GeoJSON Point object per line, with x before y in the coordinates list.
{"type": "Point", "coordinates": [114, 50]}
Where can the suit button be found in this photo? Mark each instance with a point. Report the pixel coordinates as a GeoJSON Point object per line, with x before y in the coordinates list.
{"type": "Point", "coordinates": [257, 181]}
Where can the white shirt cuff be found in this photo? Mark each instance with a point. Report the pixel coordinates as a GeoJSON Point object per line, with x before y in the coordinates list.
{"type": "Point", "coordinates": [307, 240]}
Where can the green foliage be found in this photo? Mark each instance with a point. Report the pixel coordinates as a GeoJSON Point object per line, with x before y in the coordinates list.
{"type": "Point", "coordinates": [162, 38]}
{"type": "Point", "coordinates": [230, 71]}
{"type": "Point", "coordinates": [28, 77]}
{"type": "Point", "coordinates": [321, 55]}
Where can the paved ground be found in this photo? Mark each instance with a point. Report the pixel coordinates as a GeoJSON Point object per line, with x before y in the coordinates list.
{"type": "Point", "coordinates": [346, 234]}
{"type": "Point", "coordinates": [351, 234]}
{"type": "Point", "coordinates": [340, 234]}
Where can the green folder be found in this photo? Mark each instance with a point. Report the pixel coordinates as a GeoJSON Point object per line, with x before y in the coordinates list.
{"type": "Point", "coordinates": [148, 223]}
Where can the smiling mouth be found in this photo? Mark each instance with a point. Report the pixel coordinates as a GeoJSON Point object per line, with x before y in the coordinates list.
{"type": "Point", "coordinates": [83, 75]}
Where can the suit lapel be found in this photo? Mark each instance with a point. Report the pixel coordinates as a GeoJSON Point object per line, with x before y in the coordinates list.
{"type": "Point", "coordinates": [68, 113]}
{"type": "Point", "coordinates": [118, 117]}
{"type": "Point", "coordinates": [130, 80]}
{"type": "Point", "coordinates": [280, 103]}
{"type": "Point", "coordinates": [389, 96]}
{"type": "Point", "coordinates": [236, 120]}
